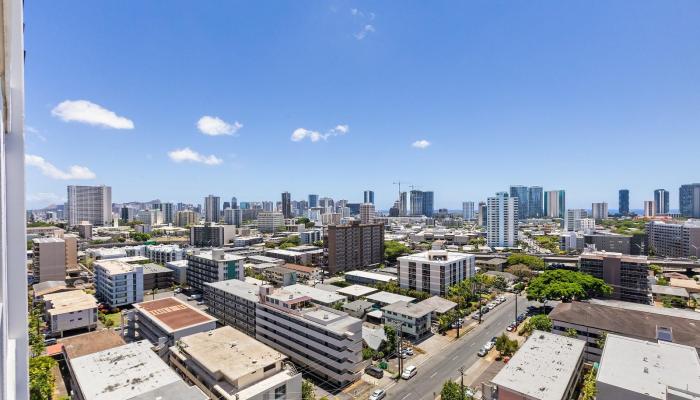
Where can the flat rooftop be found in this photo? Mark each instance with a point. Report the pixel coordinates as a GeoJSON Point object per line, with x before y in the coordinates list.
{"type": "Point", "coordinates": [245, 290]}
{"type": "Point", "coordinates": [153, 268]}
{"type": "Point", "coordinates": [70, 301]}
{"type": "Point", "coordinates": [436, 256]}
{"type": "Point", "coordinates": [48, 240]}
{"type": "Point", "coordinates": [300, 268]}
{"type": "Point", "coordinates": [122, 372]}
{"type": "Point", "coordinates": [173, 314]}
{"type": "Point", "coordinates": [648, 367]}
{"type": "Point", "coordinates": [316, 295]}
{"type": "Point", "coordinates": [669, 291]}
{"type": "Point", "coordinates": [228, 352]}
{"type": "Point", "coordinates": [631, 319]}
{"type": "Point", "coordinates": [389, 298]}
{"type": "Point", "coordinates": [92, 342]}
{"type": "Point", "coordinates": [357, 290]}
{"type": "Point", "coordinates": [439, 304]}
{"type": "Point", "coordinates": [207, 255]}
{"type": "Point", "coordinates": [370, 275]}
{"type": "Point", "coordinates": [114, 267]}
{"type": "Point", "coordinates": [543, 366]}
{"type": "Point", "coordinates": [413, 310]}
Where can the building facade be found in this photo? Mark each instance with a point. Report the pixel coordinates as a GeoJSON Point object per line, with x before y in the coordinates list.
{"type": "Point", "coordinates": [118, 283]}
{"type": "Point", "coordinates": [234, 303]}
{"type": "Point", "coordinates": [689, 200]}
{"type": "Point", "coordinates": [535, 202]}
{"type": "Point", "coordinates": [623, 206]}
{"type": "Point", "coordinates": [555, 204]}
{"type": "Point", "coordinates": [212, 208]}
{"type": "Point", "coordinates": [468, 210]}
{"type": "Point", "coordinates": [681, 239]}
{"type": "Point", "coordinates": [599, 211]}
{"type": "Point", "coordinates": [354, 246]}
{"type": "Point", "coordinates": [367, 213]}
{"type": "Point", "coordinates": [661, 201]}
{"type": "Point", "coordinates": [211, 235]}
{"type": "Point", "coordinates": [435, 271]}
{"type": "Point", "coordinates": [626, 274]}
{"type": "Point", "coordinates": [287, 205]}
{"type": "Point", "coordinates": [502, 220]}
{"type": "Point", "coordinates": [89, 203]}
{"type": "Point", "coordinates": [649, 209]}
{"type": "Point", "coordinates": [213, 266]}
{"type": "Point", "coordinates": [521, 193]}
{"type": "Point", "coordinates": [369, 196]}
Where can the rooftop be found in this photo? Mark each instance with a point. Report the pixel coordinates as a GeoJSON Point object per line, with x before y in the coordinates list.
{"type": "Point", "coordinates": [155, 269]}
{"type": "Point", "coordinates": [265, 259]}
{"type": "Point", "coordinates": [92, 342]}
{"type": "Point", "coordinates": [442, 256]}
{"type": "Point", "coordinates": [358, 305]}
{"type": "Point", "coordinates": [691, 284]}
{"type": "Point", "coordinates": [439, 304]}
{"type": "Point", "coordinates": [543, 366]}
{"type": "Point", "coordinates": [389, 298]}
{"type": "Point", "coordinates": [238, 288]}
{"type": "Point", "coordinates": [631, 319]}
{"type": "Point", "coordinates": [114, 267]}
{"type": "Point", "coordinates": [648, 367]}
{"type": "Point", "coordinates": [371, 275]}
{"type": "Point", "coordinates": [122, 372]}
{"type": "Point", "coordinates": [357, 290]}
{"type": "Point", "coordinates": [669, 291]}
{"type": "Point", "coordinates": [228, 352]}
{"type": "Point", "coordinates": [217, 255]}
{"type": "Point", "coordinates": [173, 314]}
{"type": "Point", "coordinates": [316, 295]}
{"type": "Point", "coordinates": [413, 310]}
{"type": "Point", "coordinates": [300, 268]}
{"type": "Point", "coordinates": [47, 287]}
{"type": "Point", "coordinates": [601, 255]}
{"type": "Point", "coordinates": [70, 301]}
{"type": "Point", "coordinates": [47, 240]}
{"type": "Point", "coordinates": [177, 263]}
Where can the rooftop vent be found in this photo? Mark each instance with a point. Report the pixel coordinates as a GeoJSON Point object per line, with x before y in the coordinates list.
{"type": "Point", "coordinates": [325, 316]}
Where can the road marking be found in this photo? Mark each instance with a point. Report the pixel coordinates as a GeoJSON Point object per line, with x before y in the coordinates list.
{"type": "Point", "coordinates": [404, 397]}
{"type": "Point", "coordinates": [472, 344]}
{"type": "Point", "coordinates": [455, 357]}
{"type": "Point", "coordinates": [433, 375]}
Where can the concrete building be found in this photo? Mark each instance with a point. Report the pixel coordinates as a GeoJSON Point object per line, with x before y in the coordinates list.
{"type": "Point", "coordinates": [435, 271]}
{"type": "Point", "coordinates": [646, 322]}
{"type": "Point", "coordinates": [211, 235]}
{"type": "Point", "coordinates": [167, 210]}
{"type": "Point", "coordinates": [681, 239]}
{"type": "Point", "coordinates": [313, 294]}
{"type": "Point", "coordinates": [468, 210]}
{"type": "Point", "coordinates": [270, 222]}
{"type": "Point", "coordinates": [535, 202]}
{"type": "Point", "coordinates": [164, 253]}
{"type": "Point", "coordinates": [573, 221]}
{"type": "Point", "coordinates": [234, 302]}
{"type": "Point", "coordinates": [546, 367]}
{"type": "Point", "coordinates": [323, 340]}
{"type": "Point", "coordinates": [233, 216]}
{"type": "Point", "coordinates": [129, 372]}
{"type": "Point", "coordinates": [69, 311]}
{"type": "Point", "coordinates": [118, 283]}
{"type": "Point", "coordinates": [502, 220]}
{"type": "Point", "coordinates": [414, 318]}
{"type": "Point", "coordinates": [611, 242]}
{"type": "Point", "coordinates": [85, 230]}
{"type": "Point", "coordinates": [627, 275]}
{"type": "Point", "coordinates": [356, 292]}
{"type": "Point", "coordinates": [310, 236]}
{"type": "Point", "coordinates": [286, 205]}
{"type": "Point", "coordinates": [633, 369]}
{"type": "Point", "coordinates": [367, 213]}
{"type": "Point", "coordinates": [226, 364]}
{"type": "Point", "coordinates": [179, 269]}
{"type": "Point", "coordinates": [661, 201]}
{"type": "Point", "coordinates": [49, 259]}
{"type": "Point", "coordinates": [213, 266]}
{"type": "Point", "coordinates": [354, 246]}
{"type": "Point", "coordinates": [623, 202]}
{"type": "Point", "coordinates": [649, 209]}
{"type": "Point", "coordinates": [302, 255]}
{"type": "Point", "coordinates": [382, 299]}
{"type": "Point", "coordinates": [165, 321]}
{"type": "Point", "coordinates": [689, 200]}
{"type": "Point", "coordinates": [212, 208]}
{"type": "Point", "coordinates": [89, 203]}
{"type": "Point", "coordinates": [368, 278]}
{"type": "Point", "coordinates": [555, 204]}
{"type": "Point", "coordinates": [156, 276]}
{"type": "Point", "coordinates": [185, 218]}
{"type": "Point", "coordinates": [521, 193]}
{"type": "Point", "coordinates": [280, 276]}
{"type": "Point", "coordinates": [150, 217]}
{"type": "Point", "coordinates": [599, 211]}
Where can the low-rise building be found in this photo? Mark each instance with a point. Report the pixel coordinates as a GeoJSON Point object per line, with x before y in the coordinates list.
{"type": "Point", "coordinates": [164, 321]}
{"type": "Point", "coordinates": [211, 235]}
{"type": "Point", "coordinates": [634, 369]}
{"type": "Point", "coordinates": [234, 302]}
{"type": "Point", "coordinates": [280, 275]}
{"type": "Point", "coordinates": [439, 305]}
{"type": "Point", "coordinates": [662, 292]}
{"type": "Point", "coordinates": [213, 266]}
{"type": "Point", "coordinates": [118, 283]}
{"type": "Point", "coordinates": [547, 367]}
{"type": "Point", "coordinates": [164, 253]}
{"type": "Point", "coordinates": [382, 299]}
{"type": "Point", "coordinates": [354, 292]}
{"type": "Point", "coordinates": [627, 275]}
{"type": "Point", "coordinates": [305, 273]}
{"type": "Point", "coordinates": [414, 318]}
{"type": "Point", "coordinates": [316, 295]}
{"type": "Point", "coordinates": [358, 308]}
{"type": "Point", "coordinates": [179, 269]}
{"type": "Point", "coordinates": [226, 364]}
{"type": "Point", "coordinates": [157, 277]}
{"type": "Point", "coordinates": [311, 236]}
{"type": "Point", "coordinates": [302, 255]}
{"type": "Point", "coordinates": [435, 271]}
{"type": "Point", "coordinates": [70, 310]}
{"type": "Point", "coordinates": [368, 278]}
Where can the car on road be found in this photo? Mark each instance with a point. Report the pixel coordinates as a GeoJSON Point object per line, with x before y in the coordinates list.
{"type": "Point", "coordinates": [521, 318]}
{"type": "Point", "coordinates": [408, 351]}
{"type": "Point", "coordinates": [200, 302]}
{"type": "Point", "coordinates": [50, 341]}
{"type": "Point", "coordinates": [373, 371]}
{"type": "Point", "coordinates": [512, 326]}
{"type": "Point", "coordinates": [409, 372]}
{"type": "Point", "coordinates": [194, 297]}
{"type": "Point", "coordinates": [377, 395]}
{"type": "Point", "coordinates": [489, 345]}
{"type": "Point", "coordinates": [482, 352]}
{"type": "Point", "coordinates": [456, 324]}
{"type": "Point", "coordinates": [475, 316]}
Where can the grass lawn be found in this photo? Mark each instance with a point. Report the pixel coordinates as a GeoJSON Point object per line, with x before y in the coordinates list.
{"type": "Point", "coordinates": [115, 317]}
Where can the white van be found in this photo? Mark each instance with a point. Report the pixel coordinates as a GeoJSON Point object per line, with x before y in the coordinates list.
{"type": "Point", "coordinates": [409, 372]}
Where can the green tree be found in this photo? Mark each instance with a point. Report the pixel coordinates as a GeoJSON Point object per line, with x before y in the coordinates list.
{"type": "Point", "coordinates": [506, 346]}
{"type": "Point", "coordinates": [500, 283]}
{"type": "Point", "coordinates": [538, 322]}
{"type": "Point", "coordinates": [451, 391]}
{"type": "Point", "coordinates": [307, 390]}
{"type": "Point", "coordinates": [528, 260]}
{"type": "Point", "coordinates": [600, 342]}
{"type": "Point", "coordinates": [656, 269]}
{"type": "Point", "coordinates": [36, 339]}
{"type": "Point", "coordinates": [521, 271]}
{"type": "Point", "coordinates": [394, 249]}
{"type": "Point", "coordinates": [41, 379]}
{"type": "Point", "coordinates": [572, 333]}
{"type": "Point", "coordinates": [588, 391]}
{"type": "Point", "coordinates": [565, 286]}
{"type": "Point", "coordinates": [367, 353]}
{"type": "Point", "coordinates": [389, 347]}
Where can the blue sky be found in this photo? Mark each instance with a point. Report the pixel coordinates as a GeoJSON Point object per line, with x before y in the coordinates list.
{"type": "Point", "coordinates": [460, 97]}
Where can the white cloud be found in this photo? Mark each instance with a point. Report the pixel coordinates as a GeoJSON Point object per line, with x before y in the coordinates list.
{"type": "Point", "coordinates": [45, 197]}
{"type": "Point", "coordinates": [421, 144]}
{"type": "Point", "coordinates": [74, 172]}
{"type": "Point", "coordinates": [189, 155]}
{"type": "Point", "coordinates": [215, 126]}
{"type": "Point", "coordinates": [300, 134]}
{"type": "Point", "coordinates": [91, 114]}
{"type": "Point", "coordinates": [366, 30]}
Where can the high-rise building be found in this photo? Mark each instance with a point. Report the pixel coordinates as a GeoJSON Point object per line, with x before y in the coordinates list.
{"type": "Point", "coordinates": [227, 204]}
{"type": "Point", "coordinates": [555, 204]}
{"type": "Point", "coordinates": [574, 216]}
{"type": "Point", "coordinates": [234, 202]}
{"type": "Point", "coordinates": [689, 200]}
{"type": "Point", "coordinates": [366, 213]}
{"type": "Point", "coordinates": [416, 202]}
{"type": "Point", "coordinates": [521, 193]}
{"type": "Point", "coordinates": [328, 204]}
{"type": "Point", "coordinates": [483, 214]}
{"type": "Point", "coordinates": [211, 235]}
{"type": "Point", "coordinates": [369, 196]}
{"type": "Point", "coordinates": [468, 210]}
{"type": "Point", "coordinates": [49, 258]}
{"type": "Point", "coordinates": [428, 203]}
{"type": "Point", "coordinates": [661, 201]}
{"type": "Point", "coordinates": [89, 203]}
{"type": "Point", "coordinates": [150, 217]}
{"type": "Point", "coordinates": [403, 204]}
{"type": "Point", "coordinates": [673, 239]}
{"type": "Point", "coordinates": [535, 202]}
{"type": "Point", "coordinates": [313, 200]}
{"type": "Point", "coordinates": [599, 211]}
{"type": "Point", "coordinates": [354, 246]}
{"type": "Point", "coordinates": [212, 208]}
{"type": "Point", "coordinates": [268, 206]}
{"type": "Point", "coordinates": [502, 220]}
{"type": "Point", "coordinates": [649, 209]}
{"type": "Point", "coordinates": [624, 202]}
{"type": "Point", "coordinates": [185, 217]}
{"type": "Point", "coordinates": [287, 205]}
{"type": "Point", "coordinates": [627, 275]}
{"type": "Point", "coordinates": [270, 222]}
{"type": "Point", "coordinates": [233, 216]}
{"type": "Point", "coordinates": [434, 271]}
{"type": "Point", "coordinates": [127, 214]}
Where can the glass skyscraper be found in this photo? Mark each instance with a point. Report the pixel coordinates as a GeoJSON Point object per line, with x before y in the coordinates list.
{"type": "Point", "coordinates": [624, 202]}
{"type": "Point", "coordinates": [689, 200]}
{"type": "Point", "coordinates": [535, 202]}
{"type": "Point", "coordinates": [521, 193]}
{"type": "Point", "coordinates": [661, 201]}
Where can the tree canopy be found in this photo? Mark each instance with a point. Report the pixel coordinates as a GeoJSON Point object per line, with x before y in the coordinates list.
{"type": "Point", "coordinates": [566, 286]}
{"type": "Point", "coordinates": [41, 379]}
{"type": "Point", "coordinates": [530, 261]}
{"type": "Point", "coordinates": [451, 391]}
{"type": "Point", "coordinates": [538, 322]}
{"type": "Point", "coordinates": [394, 249]}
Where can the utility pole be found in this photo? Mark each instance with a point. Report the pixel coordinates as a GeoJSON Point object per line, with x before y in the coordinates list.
{"type": "Point", "coordinates": [516, 308]}
{"type": "Point", "coordinates": [400, 332]}
{"type": "Point", "coordinates": [461, 383]}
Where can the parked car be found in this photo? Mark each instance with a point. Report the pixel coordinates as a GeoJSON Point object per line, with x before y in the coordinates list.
{"type": "Point", "coordinates": [377, 395]}
{"type": "Point", "coordinates": [493, 340]}
{"type": "Point", "coordinates": [200, 302]}
{"type": "Point", "coordinates": [512, 326]}
{"type": "Point", "coordinates": [371, 370]}
{"type": "Point", "coordinates": [408, 351]}
{"type": "Point", "coordinates": [491, 306]}
{"type": "Point", "coordinates": [50, 341]}
{"type": "Point", "coordinates": [195, 297]}
{"type": "Point", "coordinates": [482, 352]}
{"type": "Point", "coordinates": [521, 318]}
{"type": "Point", "coordinates": [177, 290]}
{"type": "Point", "coordinates": [475, 315]}
{"type": "Point", "coordinates": [409, 372]}
{"type": "Point", "coordinates": [488, 346]}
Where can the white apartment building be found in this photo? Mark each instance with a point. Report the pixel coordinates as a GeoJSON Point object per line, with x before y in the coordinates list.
{"type": "Point", "coordinates": [233, 216]}
{"type": "Point", "coordinates": [310, 237]}
{"type": "Point", "coordinates": [70, 310]}
{"type": "Point", "coordinates": [468, 210]}
{"type": "Point", "coordinates": [185, 217]}
{"type": "Point", "coordinates": [269, 222]}
{"type": "Point", "coordinates": [118, 283]}
{"type": "Point", "coordinates": [599, 211]}
{"type": "Point", "coordinates": [164, 253]}
{"type": "Point", "coordinates": [572, 223]}
{"type": "Point", "coordinates": [89, 203]}
{"type": "Point", "coordinates": [213, 266]}
{"type": "Point", "coordinates": [502, 220]}
{"type": "Point", "coordinates": [323, 340]}
{"type": "Point", "coordinates": [367, 213]}
{"type": "Point", "coordinates": [49, 259]}
{"type": "Point", "coordinates": [649, 208]}
{"type": "Point", "coordinates": [227, 364]}
{"type": "Point", "coordinates": [414, 318]}
{"type": "Point", "coordinates": [435, 271]}
{"type": "Point", "coordinates": [150, 217]}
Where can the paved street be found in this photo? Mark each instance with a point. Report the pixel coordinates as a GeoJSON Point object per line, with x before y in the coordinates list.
{"type": "Point", "coordinates": [443, 366]}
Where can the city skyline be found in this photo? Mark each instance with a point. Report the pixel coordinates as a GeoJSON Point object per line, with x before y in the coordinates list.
{"type": "Point", "coordinates": [373, 105]}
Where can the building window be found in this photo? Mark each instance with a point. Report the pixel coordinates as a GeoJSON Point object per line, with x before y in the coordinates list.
{"type": "Point", "coordinates": [280, 392]}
